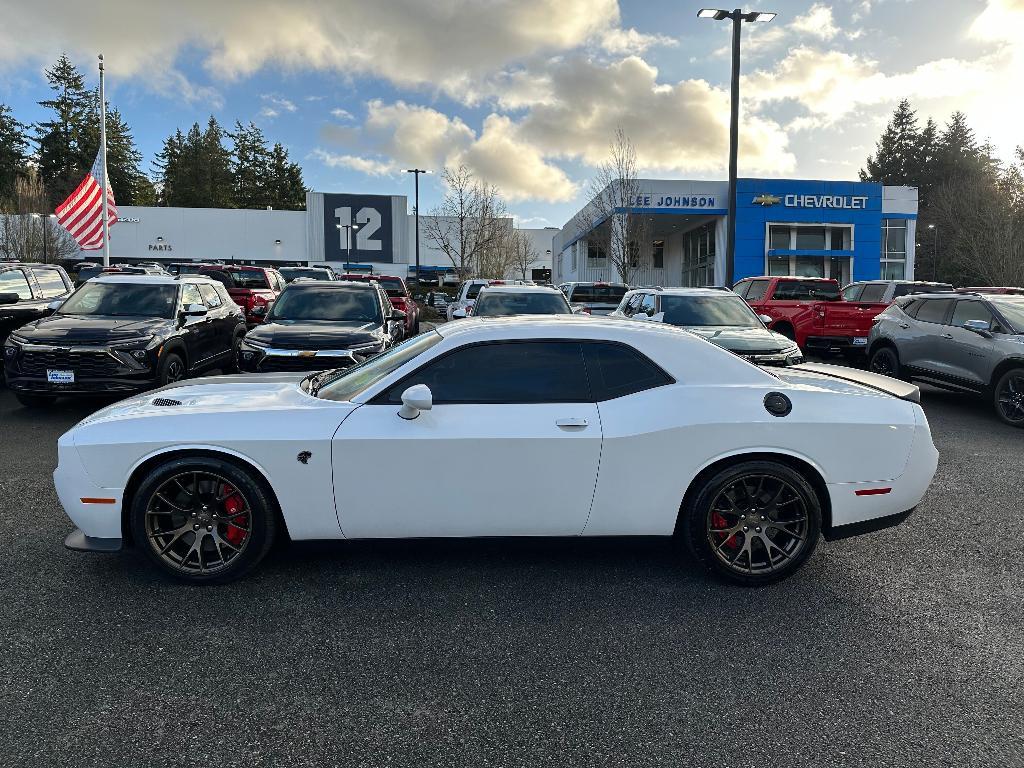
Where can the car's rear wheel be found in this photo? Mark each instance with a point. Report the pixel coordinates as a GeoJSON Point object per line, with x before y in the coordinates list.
{"type": "Point", "coordinates": [236, 355]}
{"type": "Point", "coordinates": [203, 520]}
{"type": "Point", "coordinates": [886, 361]}
{"type": "Point", "coordinates": [754, 523]}
{"type": "Point", "coordinates": [34, 401]}
{"type": "Point", "coordinates": [1009, 397]}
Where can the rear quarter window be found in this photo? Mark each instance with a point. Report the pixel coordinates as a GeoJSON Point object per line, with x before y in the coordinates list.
{"type": "Point", "coordinates": [617, 370]}
{"type": "Point", "coordinates": [757, 290]}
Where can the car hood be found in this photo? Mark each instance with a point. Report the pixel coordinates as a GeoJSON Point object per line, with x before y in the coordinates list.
{"type": "Point", "coordinates": [253, 393]}
{"type": "Point", "coordinates": [293, 334]}
{"type": "Point", "coordinates": [742, 339]}
{"type": "Point", "coordinates": [92, 329]}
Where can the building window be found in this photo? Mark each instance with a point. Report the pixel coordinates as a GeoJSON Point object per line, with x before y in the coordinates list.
{"type": "Point", "coordinates": [699, 256]}
{"type": "Point", "coordinates": [778, 238]}
{"type": "Point", "coordinates": [658, 254]}
{"type": "Point", "coordinates": [894, 249]}
{"type": "Point", "coordinates": [596, 252]}
{"type": "Point", "coordinates": [819, 240]}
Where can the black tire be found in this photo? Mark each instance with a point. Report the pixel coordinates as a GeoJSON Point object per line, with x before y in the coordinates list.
{"type": "Point", "coordinates": [715, 546]}
{"type": "Point", "coordinates": [1008, 397]}
{"type": "Point", "coordinates": [29, 400]}
{"type": "Point", "coordinates": [172, 368]}
{"type": "Point", "coordinates": [786, 331]}
{"type": "Point", "coordinates": [886, 361]}
{"type": "Point", "coordinates": [232, 365]}
{"type": "Point", "coordinates": [165, 550]}
{"type": "Point", "coordinates": [416, 326]}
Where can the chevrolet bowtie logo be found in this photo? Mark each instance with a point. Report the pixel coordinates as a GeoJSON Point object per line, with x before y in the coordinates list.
{"type": "Point", "coordinates": [767, 200]}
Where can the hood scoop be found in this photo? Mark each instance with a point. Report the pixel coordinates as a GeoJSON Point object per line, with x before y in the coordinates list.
{"type": "Point", "coordinates": [166, 402]}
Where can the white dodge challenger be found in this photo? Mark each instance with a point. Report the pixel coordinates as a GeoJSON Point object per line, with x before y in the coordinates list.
{"type": "Point", "coordinates": [612, 428]}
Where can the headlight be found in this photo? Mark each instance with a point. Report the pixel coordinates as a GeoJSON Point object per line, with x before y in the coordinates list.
{"type": "Point", "coordinates": [10, 351]}
{"type": "Point", "coordinates": [253, 344]}
{"type": "Point", "coordinates": [365, 348]}
{"type": "Point", "coordinates": [140, 343]}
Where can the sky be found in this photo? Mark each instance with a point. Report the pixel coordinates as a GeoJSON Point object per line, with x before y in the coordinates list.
{"type": "Point", "coordinates": [528, 93]}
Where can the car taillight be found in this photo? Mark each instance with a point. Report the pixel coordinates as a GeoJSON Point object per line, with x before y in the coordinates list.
{"type": "Point", "coordinates": [469, 310]}
{"type": "Point", "coordinates": [586, 310]}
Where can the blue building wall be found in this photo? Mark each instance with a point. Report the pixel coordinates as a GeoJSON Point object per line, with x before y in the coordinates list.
{"type": "Point", "coordinates": [806, 207]}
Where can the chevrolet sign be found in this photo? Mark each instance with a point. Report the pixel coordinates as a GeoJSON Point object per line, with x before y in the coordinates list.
{"type": "Point", "coordinates": [767, 200]}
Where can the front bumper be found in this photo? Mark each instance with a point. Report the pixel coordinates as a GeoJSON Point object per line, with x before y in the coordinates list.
{"type": "Point", "coordinates": [273, 360]}
{"type": "Point", "coordinates": [34, 385]}
{"type": "Point", "coordinates": [79, 542]}
{"type": "Point", "coordinates": [95, 510]}
{"type": "Point", "coordinates": [97, 369]}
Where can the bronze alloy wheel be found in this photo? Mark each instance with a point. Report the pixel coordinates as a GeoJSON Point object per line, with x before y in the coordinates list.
{"type": "Point", "coordinates": [757, 524]}
{"type": "Point", "coordinates": [198, 522]}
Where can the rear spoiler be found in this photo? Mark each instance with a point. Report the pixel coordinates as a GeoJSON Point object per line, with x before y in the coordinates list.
{"type": "Point", "coordinates": [890, 386]}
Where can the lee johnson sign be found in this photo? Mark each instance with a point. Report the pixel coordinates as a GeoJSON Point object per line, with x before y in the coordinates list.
{"type": "Point", "coordinates": [672, 201]}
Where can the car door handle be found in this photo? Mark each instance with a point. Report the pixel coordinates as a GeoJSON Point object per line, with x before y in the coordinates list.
{"type": "Point", "coordinates": [904, 326]}
{"type": "Point", "coordinates": [947, 335]}
{"type": "Point", "coordinates": [575, 422]}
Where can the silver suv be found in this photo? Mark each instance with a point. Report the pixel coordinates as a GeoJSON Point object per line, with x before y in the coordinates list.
{"type": "Point", "coordinates": [972, 343]}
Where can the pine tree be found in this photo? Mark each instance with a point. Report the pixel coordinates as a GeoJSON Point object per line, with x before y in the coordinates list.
{"type": "Point", "coordinates": [123, 158]}
{"type": "Point", "coordinates": [897, 153]}
{"type": "Point", "coordinates": [167, 167]}
{"type": "Point", "coordinates": [251, 167]}
{"type": "Point", "coordinates": [63, 156]}
{"type": "Point", "coordinates": [286, 188]}
{"type": "Point", "coordinates": [958, 153]}
{"type": "Point", "coordinates": [219, 187]}
{"type": "Point", "coordinates": [13, 152]}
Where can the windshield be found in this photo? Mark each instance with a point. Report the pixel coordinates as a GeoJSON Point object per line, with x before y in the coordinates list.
{"type": "Point", "coordinates": [327, 304]}
{"type": "Point", "coordinates": [598, 294]}
{"type": "Point", "coordinates": [1012, 311]}
{"type": "Point", "coordinates": [247, 278]}
{"type": "Point", "coordinates": [347, 384]}
{"type": "Point", "coordinates": [316, 274]}
{"type": "Point", "coordinates": [502, 304]}
{"type": "Point", "coordinates": [806, 290]}
{"type": "Point", "coordinates": [708, 310]}
{"type": "Point", "coordinates": [122, 300]}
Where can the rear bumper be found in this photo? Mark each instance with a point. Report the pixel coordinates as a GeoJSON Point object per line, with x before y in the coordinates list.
{"type": "Point", "coordinates": [839, 532]}
{"type": "Point", "coordinates": [836, 343]}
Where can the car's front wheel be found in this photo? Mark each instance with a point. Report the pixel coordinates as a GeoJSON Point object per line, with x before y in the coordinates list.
{"type": "Point", "coordinates": [755, 523]}
{"type": "Point", "coordinates": [1009, 397]}
{"type": "Point", "coordinates": [203, 520]}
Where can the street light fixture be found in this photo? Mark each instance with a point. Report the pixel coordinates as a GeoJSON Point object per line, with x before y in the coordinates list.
{"type": "Point", "coordinates": [416, 174]}
{"type": "Point", "coordinates": [349, 228]}
{"type": "Point", "coordinates": [737, 16]}
{"type": "Point", "coordinates": [935, 251]}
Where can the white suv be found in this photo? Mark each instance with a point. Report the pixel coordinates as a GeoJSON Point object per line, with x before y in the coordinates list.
{"type": "Point", "coordinates": [466, 298]}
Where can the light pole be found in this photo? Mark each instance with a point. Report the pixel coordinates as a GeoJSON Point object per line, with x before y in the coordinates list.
{"type": "Point", "coordinates": [416, 175]}
{"type": "Point", "coordinates": [935, 251]}
{"type": "Point", "coordinates": [737, 17]}
{"type": "Point", "coordinates": [44, 219]}
{"type": "Point", "coordinates": [348, 240]}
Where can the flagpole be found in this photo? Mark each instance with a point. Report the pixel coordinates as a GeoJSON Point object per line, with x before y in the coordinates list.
{"type": "Point", "coordinates": [103, 163]}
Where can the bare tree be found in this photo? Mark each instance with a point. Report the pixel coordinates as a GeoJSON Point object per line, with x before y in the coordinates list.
{"type": "Point", "coordinates": [983, 240]}
{"type": "Point", "coordinates": [524, 253]}
{"type": "Point", "coordinates": [612, 217]}
{"type": "Point", "coordinates": [497, 259]}
{"type": "Point", "coordinates": [469, 223]}
{"type": "Point", "coordinates": [27, 233]}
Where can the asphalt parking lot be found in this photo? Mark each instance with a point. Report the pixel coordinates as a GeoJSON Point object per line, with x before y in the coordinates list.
{"type": "Point", "coordinates": [905, 647]}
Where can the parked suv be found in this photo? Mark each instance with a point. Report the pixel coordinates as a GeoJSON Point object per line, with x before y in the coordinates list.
{"type": "Point", "coordinates": [254, 289]}
{"type": "Point", "coordinates": [400, 297]}
{"type": "Point", "coordinates": [317, 325]}
{"type": "Point", "coordinates": [507, 300]}
{"type": "Point", "coordinates": [962, 342]}
{"type": "Point", "coordinates": [716, 314]}
{"type": "Point", "coordinates": [598, 298]}
{"type": "Point", "coordinates": [27, 291]}
{"type": "Point", "coordinates": [465, 298]}
{"type": "Point", "coordinates": [124, 333]}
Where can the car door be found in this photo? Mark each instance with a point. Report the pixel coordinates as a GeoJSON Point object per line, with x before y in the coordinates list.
{"type": "Point", "coordinates": [221, 319]}
{"type": "Point", "coordinates": [926, 346]}
{"type": "Point", "coordinates": [510, 447]}
{"type": "Point", "coordinates": [199, 332]}
{"type": "Point", "coordinates": [29, 306]}
{"type": "Point", "coordinates": [972, 356]}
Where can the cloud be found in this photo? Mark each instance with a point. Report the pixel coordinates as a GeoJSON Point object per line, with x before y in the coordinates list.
{"type": "Point", "coordinates": [278, 103]}
{"type": "Point", "coordinates": [369, 166]}
{"type": "Point", "coordinates": [436, 45]}
{"type": "Point", "coordinates": [269, 113]}
{"type": "Point", "coordinates": [817, 22]}
{"type": "Point", "coordinates": [341, 114]}
{"type": "Point", "coordinates": [623, 41]}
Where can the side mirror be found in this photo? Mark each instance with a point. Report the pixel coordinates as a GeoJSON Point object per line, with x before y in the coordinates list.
{"type": "Point", "coordinates": [979, 327]}
{"type": "Point", "coordinates": [641, 316]}
{"type": "Point", "coordinates": [415, 399]}
{"type": "Point", "coordinates": [196, 310]}
{"type": "Point", "coordinates": [8, 298]}
{"type": "Point", "coordinates": [766, 319]}
{"type": "Point", "coordinates": [458, 313]}
{"type": "Point", "coordinates": [658, 318]}
{"type": "Point", "coordinates": [397, 315]}
{"type": "Point", "coordinates": [579, 309]}
{"type": "Point", "coordinates": [53, 306]}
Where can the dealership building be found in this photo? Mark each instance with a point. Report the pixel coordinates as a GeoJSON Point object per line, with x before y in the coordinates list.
{"type": "Point", "coordinates": [351, 232]}
{"type": "Point", "coordinates": [843, 230]}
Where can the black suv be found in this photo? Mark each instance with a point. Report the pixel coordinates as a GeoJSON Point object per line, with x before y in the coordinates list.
{"type": "Point", "coordinates": [315, 325]}
{"type": "Point", "coordinates": [124, 333]}
{"type": "Point", "coordinates": [26, 292]}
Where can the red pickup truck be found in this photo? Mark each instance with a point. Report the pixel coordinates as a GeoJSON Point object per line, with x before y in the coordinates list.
{"type": "Point", "coordinates": [819, 317]}
{"type": "Point", "coordinates": [254, 289]}
{"type": "Point", "coordinates": [399, 295]}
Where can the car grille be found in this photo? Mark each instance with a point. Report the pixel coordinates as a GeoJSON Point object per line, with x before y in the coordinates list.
{"type": "Point", "coordinates": [86, 365]}
{"type": "Point", "coordinates": [286, 364]}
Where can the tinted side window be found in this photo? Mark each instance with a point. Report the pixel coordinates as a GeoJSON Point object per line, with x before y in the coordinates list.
{"type": "Point", "coordinates": [190, 294]}
{"type": "Point", "coordinates": [757, 290]}
{"type": "Point", "coordinates": [15, 281]}
{"type": "Point", "coordinates": [503, 372]}
{"type": "Point", "coordinates": [911, 307]}
{"type": "Point", "coordinates": [873, 292]}
{"type": "Point", "coordinates": [971, 310]}
{"type": "Point", "coordinates": [617, 370]}
{"type": "Point", "coordinates": [852, 292]}
{"type": "Point", "coordinates": [933, 310]}
{"type": "Point", "coordinates": [800, 290]}
{"type": "Point", "coordinates": [648, 304]}
{"type": "Point", "coordinates": [210, 296]}
{"type": "Point", "coordinates": [51, 284]}
{"type": "Point", "coordinates": [741, 289]}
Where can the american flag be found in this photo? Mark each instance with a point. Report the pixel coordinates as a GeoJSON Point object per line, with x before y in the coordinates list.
{"type": "Point", "coordinates": [82, 213]}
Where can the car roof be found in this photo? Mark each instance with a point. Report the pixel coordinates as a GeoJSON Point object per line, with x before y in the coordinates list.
{"type": "Point", "coordinates": [521, 289]}
{"type": "Point", "coordinates": [591, 282]}
{"type": "Point", "coordinates": [15, 264]}
{"type": "Point", "coordinates": [114, 277]}
{"type": "Point", "coordinates": [707, 291]}
{"type": "Point", "coordinates": [362, 285]}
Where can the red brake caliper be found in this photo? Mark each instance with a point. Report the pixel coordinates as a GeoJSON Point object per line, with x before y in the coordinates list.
{"type": "Point", "coordinates": [718, 521]}
{"type": "Point", "coordinates": [232, 504]}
